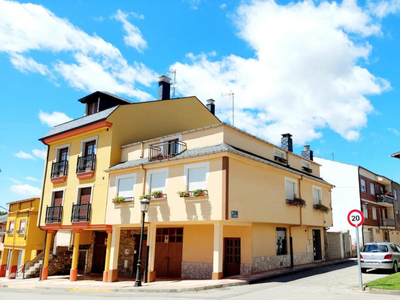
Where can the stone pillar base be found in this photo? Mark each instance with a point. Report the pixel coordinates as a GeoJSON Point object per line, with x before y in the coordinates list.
{"type": "Point", "coordinates": [105, 276]}
{"type": "Point", "coordinates": [73, 275]}
{"type": "Point", "coordinates": [45, 272]}
{"type": "Point", "coordinates": [13, 272]}
{"type": "Point", "coordinates": [112, 275]}
{"type": "Point", "coordinates": [216, 276]}
{"type": "Point", "coordinates": [3, 270]}
{"type": "Point", "coordinates": [151, 276]}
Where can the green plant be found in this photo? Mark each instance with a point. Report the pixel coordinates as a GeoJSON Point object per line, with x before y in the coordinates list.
{"type": "Point", "coordinates": [296, 202]}
{"type": "Point", "coordinates": [198, 192]}
{"type": "Point", "coordinates": [118, 199]}
{"type": "Point", "coordinates": [157, 194]}
{"type": "Point", "coordinates": [147, 196]}
{"type": "Point", "coordinates": [322, 207]}
{"type": "Point", "coordinates": [183, 193]}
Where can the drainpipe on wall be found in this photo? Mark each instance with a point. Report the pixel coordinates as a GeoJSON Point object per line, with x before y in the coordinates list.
{"type": "Point", "coordinates": [290, 227]}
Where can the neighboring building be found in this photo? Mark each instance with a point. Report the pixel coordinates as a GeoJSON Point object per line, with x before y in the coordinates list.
{"type": "Point", "coordinates": [75, 186]}
{"type": "Point", "coordinates": [23, 239]}
{"type": "Point", "coordinates": [225, 203]}
{"type": "Point", "coordinates": [3, 226]}
{"type": "Point", "coordinates": [359, 188]}
{"type": "Point", "coordinates": [396, 206]}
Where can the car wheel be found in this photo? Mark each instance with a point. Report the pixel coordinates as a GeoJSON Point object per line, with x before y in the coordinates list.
{"type": "Point", "coordinates": [395, 267]}
{"type": "Point", "coordinates": [363, 270]}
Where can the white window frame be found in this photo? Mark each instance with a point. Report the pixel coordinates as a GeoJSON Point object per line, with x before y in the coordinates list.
{"type": "Point", "coordinates": [317, 188]}
{"type": "Point", "coordinates": [78, 191]}
{"type": "Point", "coordinates": [372, 188]}
{"type": "Point", "coordinates": [126, 176]}
{"type": "Point", "coordinates": [59, 148]}
{"type": "Point", "coordinates": [395, 194]}
{"type": "Point", "coordinates": [374, 214]}
{"type": "Point", "coordinates": [186, 169]}
{"type": "Point", "coordinates": [20, 223]}
{"type": "Point", "coordinates": [279, 153]}
{"type": "Point", "coordinates": [291, 180]}
{"type": "Point", "coordinates": [365, 210]}
{"type": "Point", "coordinates": [363, 184]}
{"type": "Point", "coordinates": [383, 214]}
{"type": "Point", "coordinates": [53, 191]}
{"type": "Point", "coordinates": [157, 171]}
{"type": "Point", "coordinates": [11, 228]}
{"type": "Point", "coordinates": [84, 141]}
{"type": "Point", "coordinates": [306, 164]}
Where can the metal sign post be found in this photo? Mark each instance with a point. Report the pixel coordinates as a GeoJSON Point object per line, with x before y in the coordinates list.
{"type": "Point", "coordinates": [356, 219]}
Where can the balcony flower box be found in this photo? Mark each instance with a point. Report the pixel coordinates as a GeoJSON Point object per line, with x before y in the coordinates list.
{"type": "Point", "coordinates": [321, 207]}
{"type": "Point", "coordinates": [147, 196]}
{"type": "Point", "coordinates": [296, 202]}
{"type": "Point", "coordinates": [118, 200]}
{"type": "Point", "coordinates": [183, 194]}
{"type": "Point", "coordinates": [157, 194]}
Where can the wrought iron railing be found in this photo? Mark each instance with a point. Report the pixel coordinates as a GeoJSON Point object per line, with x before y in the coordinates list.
{"type": "Point", "coordinates": [59, 169]}
{"type": "Point", "coordinates": [86, 163]}
{"type": "Point", "coordinates": [166, 149]}
{"type": "Point", "coordinates": [54, 214]}
{"type": "Point", "coordinates": [280, 159]}
{"type": "Point", "coordinates": [80, 213]}
{"type": "Point", "coordinates": [385, 199]}
{"type": "Point", "coordinates": [387, 223]}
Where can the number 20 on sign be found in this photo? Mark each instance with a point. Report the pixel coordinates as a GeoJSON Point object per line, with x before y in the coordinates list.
{"type": "Point", "coordinates": [355, 218]}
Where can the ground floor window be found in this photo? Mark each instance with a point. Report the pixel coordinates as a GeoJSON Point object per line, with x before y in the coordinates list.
{"type": "Point", "coordinates": [281, 241]}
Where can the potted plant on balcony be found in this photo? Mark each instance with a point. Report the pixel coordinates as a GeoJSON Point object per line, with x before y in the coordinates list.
{"type": "Point", "coordinates": [146, 196]}
{"type": "Point", "coordinates": [321, 207]}
{"type": "Point", "coordinates": [157, 194]}
{"type": "Point", "coordinates": [183, 193]}
{"type": "Point", "coordinates": [296, 202]}
{"type": "Point", "coordinates": [198, 192]}
{"type": "Point", "coordinates": [118, 200]}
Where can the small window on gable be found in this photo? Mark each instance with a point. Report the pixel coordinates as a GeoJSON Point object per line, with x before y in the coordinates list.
{"type": "Point", "coordinates": [125, 188]}
{"type": "Point", "coordinates": [291, 188]}
{"type": "Point", "coordinates": [363, 186]}
{"type": "Point", "coordinates": [306, 166]}
{"type": "Point", "coordinates": [92, 107]}
{"type": "Point", "coordinates": [317, 194]}
{"type": "Point", "coordinates": [372, 188]}
{"type": "Point", "coordinates": [158, 182]}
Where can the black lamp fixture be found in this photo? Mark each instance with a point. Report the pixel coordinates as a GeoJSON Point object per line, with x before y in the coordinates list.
{"type": "Point", "coordinates": [144, 207]}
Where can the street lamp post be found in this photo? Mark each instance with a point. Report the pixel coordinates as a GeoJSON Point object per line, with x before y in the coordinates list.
{"type": "Point", "coordinates": [144, 206]}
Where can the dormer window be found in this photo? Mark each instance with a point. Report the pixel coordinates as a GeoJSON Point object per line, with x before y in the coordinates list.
{"type": "Point", "coordinates": [306, 166]}
{"type": "Point", "coordinates": [280, 156]}
{"type": "Point", "coordinates": [92, 108]}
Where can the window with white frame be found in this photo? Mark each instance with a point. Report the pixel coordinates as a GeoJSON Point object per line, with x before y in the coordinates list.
{"type": "Point", "coordinates": [291, 188]}
{"type": "Point", "coordinates": [22, 225]}
{"type": "Point", "coordinates": [317, 194]}
{"type": "Point", "coordinates": [395, 194]}
{"type": "Point", "coordinates": [372, 188]}
{"type": "Point", "coordinates": [374, 216]}
{"type": "Point", "coordinates": [125, 185]}
{"type": "Point", "coordinates": [279, 153]}
{"type": "Point", "coordinates": [196, 176]}
{"type": "Point", "coordinates": [365, 211]}
{"type": "Point", "coordinates": [157, 180]}
{"type": "Point", "coordinates": [306, 166]}
{"type": "Point", "coordinates": [383, 213]}
{"type": "Point", "coordinates": [11, 227]}
{"type": "Point", "coordinates": [363, 186]}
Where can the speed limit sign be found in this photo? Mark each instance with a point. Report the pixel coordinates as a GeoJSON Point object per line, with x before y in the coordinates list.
{"type": "Point", "coordinates": [355, 218]}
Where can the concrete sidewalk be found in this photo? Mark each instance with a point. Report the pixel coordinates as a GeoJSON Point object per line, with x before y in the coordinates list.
{"type": "Point", "coordinates": [95, 284]}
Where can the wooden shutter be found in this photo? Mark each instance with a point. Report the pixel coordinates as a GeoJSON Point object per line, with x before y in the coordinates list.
{"type": "Point", "coordinates": [85, 195]}
{"type": "Point", "coordinates": [58, 197]}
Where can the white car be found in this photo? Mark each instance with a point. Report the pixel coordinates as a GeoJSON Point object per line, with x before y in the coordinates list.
{"type": "Point", "coordinates": [380, 256]}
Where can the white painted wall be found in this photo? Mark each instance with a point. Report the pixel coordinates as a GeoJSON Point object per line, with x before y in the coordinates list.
{"type": "Point", "coordinates": [62, 239]}
{"type": "Point", "coordinates": [345, 194]}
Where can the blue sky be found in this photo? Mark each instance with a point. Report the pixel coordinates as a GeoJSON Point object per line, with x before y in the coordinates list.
{"type": "Point", "coordinates": [327, 72]}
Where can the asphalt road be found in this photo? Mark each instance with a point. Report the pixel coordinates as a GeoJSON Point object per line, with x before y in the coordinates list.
{"type": "Point", "coordinates": [334, 282]}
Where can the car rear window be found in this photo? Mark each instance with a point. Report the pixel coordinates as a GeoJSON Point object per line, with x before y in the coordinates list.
{"type": "Point", "coordinates": [375, 248]}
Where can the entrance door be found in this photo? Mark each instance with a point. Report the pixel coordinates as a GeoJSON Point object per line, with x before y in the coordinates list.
{"type": "Point", "coordinates": [168, 256]}
{"type": "Point", "coordinates": [317, 244]}
{"type": "Point", "coordinates": [82, 262]}
{"type": "Point", "coordinates": [232, 254]}
{"type": "Point", "coordinates": [99, 252]}
{"type": "Point", "coordinates": [136, 255]}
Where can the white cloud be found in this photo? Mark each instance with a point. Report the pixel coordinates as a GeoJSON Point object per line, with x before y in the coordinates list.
{"type": "Point", "coordinates": [25, 190]}
{"type": "Point", "coordinates": [394, 130]}
{"type": "Point", "coordinates": [305, 74]}
{"type": "Point", "coordinates": [23, 155]}
{"type": "Point", "coordinates": [42, 30]}
{"type": "Point", "coordinates": [133, 35]}
{"type": "Point", "coordinates": [223, 6]}
{"type": "Point", "coordinates": [53, 119]}
{"type": "Point", "coordinates": [39, 153]}
{"type": "Point", "coordinates": [32, 179]}
{"type": "Point", "coordinates": [15, 180]}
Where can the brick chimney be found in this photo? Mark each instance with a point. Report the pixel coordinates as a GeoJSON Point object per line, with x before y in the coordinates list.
{"type": "Point", "coordinates": [287, 142]}
{"type": "Point", "coordinates": [211, 105]}
{"type": "Point", "coordinates": [164, 87]}
{"type": "Point", "coordinates": [307, 153]}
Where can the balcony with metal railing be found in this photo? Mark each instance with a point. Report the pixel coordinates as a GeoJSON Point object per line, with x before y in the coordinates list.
{"type": "Point", "coordinates": [53, 214]}
{"type": "Point", "coordinates": [387, 223]}
{"type": "Point", "coordinates": [59, 171]}
{"type": "Point", "coordinates": [167, 149]}
{"type": "Point", "coordinates": [85, 166]}
{"type": "Point", "coordinates": [385, 200]}
{"type": "Point", "coordinates": [80, 212]}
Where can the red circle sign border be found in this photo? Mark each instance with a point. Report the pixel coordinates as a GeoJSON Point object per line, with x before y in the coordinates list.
{"type": "Point", "coordinates": [362, 218]}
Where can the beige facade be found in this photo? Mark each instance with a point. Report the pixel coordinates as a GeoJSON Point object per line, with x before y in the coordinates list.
{"type": "Point", "coordinates": [248, 219]}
